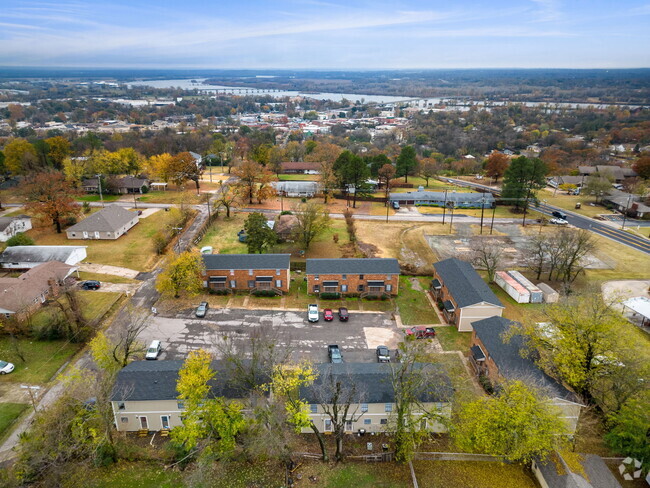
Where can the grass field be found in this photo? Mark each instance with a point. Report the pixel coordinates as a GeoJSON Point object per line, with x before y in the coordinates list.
{"type": "Point", "coordinates": [9, 412]}
{"type": "Point", "coordinates": [358, 475]}
{"type": "Point", "coordinates": [42, 359]}
{"type": "Point", "coordinates": [414, 308]}
{"type": "Point", "coordinates": [133, 250]}
{"type": "Point", "coordinates": [125, 475]}
{"type": "Point", "coordinates": [452, 340]}
{"type": "Point", "coordinates": [95, 198]}
{"type": "Point", "coordinates": [94, 305]}
{"type": "Point", "coordinates": [298, 177]}
{"type": "Point", "coordinates": [85, 275]}
{"type": "Point", "coordinates": [468, 474]}
{"type": "Point", "coordinates": [499, 213]}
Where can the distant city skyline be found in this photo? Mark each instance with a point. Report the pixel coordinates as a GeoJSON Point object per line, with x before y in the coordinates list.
{"type": "Point", "coordinates": [327, 34]}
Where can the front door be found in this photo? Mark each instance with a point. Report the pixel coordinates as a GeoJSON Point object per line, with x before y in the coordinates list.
{"type": "Point", "coordinates": [85, 235]}
{"type": "Point", "coordinates": [164, 420]}
{"type": "Point", "coordinates": [96, 235]}
{"type": "Point", "coordinates": [143, 423]}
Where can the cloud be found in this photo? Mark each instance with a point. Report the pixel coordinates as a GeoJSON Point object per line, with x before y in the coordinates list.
{"type": "Point", "coordinates": [547, 11]}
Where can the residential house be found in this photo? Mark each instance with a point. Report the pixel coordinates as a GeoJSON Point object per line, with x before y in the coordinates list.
{"type": "Point", "coordinates": [10, 226]}
{"type": "Point", "coordinates": [286, 226]}
{"type": "Point", "coordinates": [557, 181]}
{"type": "Point", "coordinates": [627, 202]}
{"type": "Point", "coordinates": [120, 185]}
{"type": "Point", "coordinates": [498, 357]}
{"type": "Point", "coordinates": [300, 167]}
{"type": "Point", "coordinates": [441, 198]}
{"type": "Point", "coordinates": [373, 406]}
{"type": "Point", "coordinates": [589, 472]}
{"type": "Point", "coordinates": [27, 257]}
{"type": "Point", "coordinates": [145, 396]}
{"type": "Point", "coordinates": [21, 295]}
{"type": "Point", "coordinates": [247, 272]}
{"type": "Point", "coordinates": [109, 223]}
{"type": "Point", "coordinates": [306, 189]}
{"type": "Point", "coordinates": [371, 276]}
{"type": "Point", "coordinates": [617, 172]}
{"type": "Point", "coordinates": [198, 159]}
{"type": "Point", "coordinates": [464, 296]}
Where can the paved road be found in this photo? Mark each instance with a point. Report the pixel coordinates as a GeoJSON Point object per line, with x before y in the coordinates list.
{"type": "Point", "coordinates": [598, 227]}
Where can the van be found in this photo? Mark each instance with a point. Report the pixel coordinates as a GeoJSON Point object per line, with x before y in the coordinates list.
{"type": "Point", "coordinates": [154, 350]}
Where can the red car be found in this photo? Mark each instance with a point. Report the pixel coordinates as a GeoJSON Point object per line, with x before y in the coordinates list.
{"type": "Point", "coordinates": [421, 332]}
{"type": "Point", "coordinates": [328, 315]}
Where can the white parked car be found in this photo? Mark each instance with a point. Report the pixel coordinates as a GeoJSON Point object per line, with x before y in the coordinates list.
{"type": "Point", "coordinates": [559, 221]}
{"type": "Point", "coordinates": [6, 367]}
{"type": "Point", "coordinates": [312, 313]}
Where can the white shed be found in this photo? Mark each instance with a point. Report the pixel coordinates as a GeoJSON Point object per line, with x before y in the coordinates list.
{"type": "Point", "coordinates": [550, 295]}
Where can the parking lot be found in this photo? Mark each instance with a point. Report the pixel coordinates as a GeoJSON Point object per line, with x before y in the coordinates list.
{"type": "Point", "coordinates": [357, 338]}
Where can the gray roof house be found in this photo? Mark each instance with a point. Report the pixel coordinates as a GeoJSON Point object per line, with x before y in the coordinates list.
{"type": "Point", "coordinates": [296, 188]}
{"type": "Point", "coordinates": [629, 202]}
{"type": "Point", "coordinates": [109, 223]}
{"type": "Point", "coordinates": [619, 173]}
{"type": "Point", "coordinates": [557, 473]}
{"type": "Point", "coordinates": [353, 266]}
{"type": "Point", "coordinates": [26, 257]}
{"type": "Point", "coordinates": [114, 184]}
{"type": "Point", "coordinates": [464, 295]}
{"type": "Point", "coordinates": [499, 357]}
{"type": "Point", "coordinates": [246, 261]}
{"type": "Point", "coordinates": [440, 199]}
{"type": "Point", "coordinates": [10, 226]}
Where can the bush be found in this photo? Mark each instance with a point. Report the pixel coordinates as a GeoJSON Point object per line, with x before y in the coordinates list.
{"type": "Point", "coordinates": [330, 296]}
{"type": "Point", "coordinates": [264, 293]}
{"type": "Point", "coordinates": [485, 382]}
{"type": "Point", "coordinates": [286, 212]}
{"type": "Point", "coordinates": [85, 208]}
{"type": "Point", "coordinates": [160, 240]}
{"type": "Point", "coordinates": [222, 292]}
{"type": "Point", "coordinates": [20, 239]}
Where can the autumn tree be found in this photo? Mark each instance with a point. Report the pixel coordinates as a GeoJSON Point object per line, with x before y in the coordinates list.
{"type": "Point", "coordinates": [428, 169]}
{"type": "Point", "coordinates": [58, 150]}
{"type": "Point", "coordinates": [115, 352]}
{"type": "Point", "coordinates": [227, 197]}
{"type": "Point", "coordinates": [210, 424]}
{"type": "Point", "coordinates": [312, 221]}
{"type": "Point", "coordinates": [259, 236]}
{"type": "Point", "coordinates": [184, 168]}
{"type": "Point", "coordinates": [522, 179]}
{"type": "Point", "coordinates": [248, 173]}
{"type": "Point", "coordinates": [407, 162]}
{"type": "Point", "coordinates": [183, 273]}
{"type": "Point", "coordinates": [386, 173]}
{"type": "Point", "coordinates": [265, 188]}
{"type": "Point", "coordinates": [518, 423]}
{"type": "Point", "coordinates": [496, 165]}
{"type": "Point", "coordinates": [50, 195]}
{"type": "Point", "coordinates": [642, 167]}
{"type": "Point", "coordinates": [159, 167]}
{"type": "Point", "coordinates": [20, 156]}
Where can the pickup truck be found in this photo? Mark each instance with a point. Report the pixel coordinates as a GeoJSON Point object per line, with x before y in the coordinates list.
{"type": "Point", "coordinates": [334, 353]}
{"type": "Point", "coordinates": [312, 313]}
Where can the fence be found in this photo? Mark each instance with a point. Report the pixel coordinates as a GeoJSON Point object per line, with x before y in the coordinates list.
{"type": "Point", "coordinates": [456, 456]}
{"type": "Point", "coordinates": [204, 228]}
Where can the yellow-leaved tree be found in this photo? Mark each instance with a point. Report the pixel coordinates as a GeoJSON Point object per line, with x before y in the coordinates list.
{"type": "Point", "coordinates": [182, 273]}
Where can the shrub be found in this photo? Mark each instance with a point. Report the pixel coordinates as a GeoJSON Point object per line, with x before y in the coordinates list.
{"type": "Point", "coordinates": [85, 207]}
{"type": "Point", "coordinates": [160, 240]}
{"type": "Point", "coordinates": [264, 293]}
{"type": "Point", "coordinates": [485, 382]}
{"type": "Point", "coordinates": [20, 239]}
{"type": "Point", "coordinates": [286, 212]}
{"type": "Point", "coordinates": [330, 296]}
{"type": "Point", "coordinates": [212, 291]}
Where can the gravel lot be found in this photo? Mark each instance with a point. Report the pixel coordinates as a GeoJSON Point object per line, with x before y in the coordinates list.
{"type": "Point", "coordinates": [357, 338]}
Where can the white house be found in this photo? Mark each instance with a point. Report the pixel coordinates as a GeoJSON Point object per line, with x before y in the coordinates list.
{"type": "Point", "coordinates": [27, 257]}
{"type": "Point", "coordinates": [10, 226]}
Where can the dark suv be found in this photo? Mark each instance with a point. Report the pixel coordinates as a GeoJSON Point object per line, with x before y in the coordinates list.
{"type": "Point", "coordinates": [559, 215]}
{"type": "Point", "coordinates": [334, 353]}
{"type": "Point", "coordinates": [91, 285]}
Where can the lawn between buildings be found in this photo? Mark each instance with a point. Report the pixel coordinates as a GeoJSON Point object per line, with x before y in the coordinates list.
{"type": "Point", "coordinates": [9, 412]}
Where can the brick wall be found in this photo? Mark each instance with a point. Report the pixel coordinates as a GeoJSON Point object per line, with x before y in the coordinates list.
{"type": "Point", "coordinates": [442, 295]}
{"type": "Point", "coordinates": [242, 277]}
{"type": "Point", "coordinates": [352, 281]}
{"type": "Point", "coordinates": [488, 364]}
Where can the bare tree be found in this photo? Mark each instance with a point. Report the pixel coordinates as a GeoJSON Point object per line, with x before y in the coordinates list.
{"type": "Point", "coordinates": [340, 398]}
{"type": "Point", "coordinates": [124, 346]}
{"type": "Point", "coordinates": [575, 246]}
{"type": "Point", "coordinates": [488, 256]}
{"type": "Point", "coordinates": [537, 254]}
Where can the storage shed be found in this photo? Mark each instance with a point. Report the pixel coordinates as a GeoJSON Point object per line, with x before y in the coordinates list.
{"type": "Point", "coordinates": [550, 295]}
{"type": "Point", "coordinates": [517, 291]}
{"type": "Point", "coordinates": [536, 295]}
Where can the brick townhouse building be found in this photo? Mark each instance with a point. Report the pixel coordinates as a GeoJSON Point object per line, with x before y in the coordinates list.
{"type": "Point", "coordinates": [247, 272]}
{"type": "Point", "coordinates": [372, 276]}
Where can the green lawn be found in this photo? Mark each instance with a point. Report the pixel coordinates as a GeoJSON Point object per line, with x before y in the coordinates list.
{"type": "Point", "coordinates": [95, 198]}
{"type": "Point", "coordinates": [9, 412]}
{"type": "Point", "coordinates": [222, 235]}
{"type": "Point", "coordinates": [42, 359]}
{"type": "Point", "coordinates": [471, 474]}
{"type": "Point", "coordinates": [85, 275]}
{"type": "Point", "coordinates": [125, 475]}
{"type": "Point", "coordinates": [133, 250]}
{"type": "Point", "coordinates": [357, 475]}
{"type": "Point", "coordinates": [298, 177]}
{"type": "Point", "coordinates": [413, 305]}
{"type": "Point", "coordinates": [95, 305]}
{"type": "Point", "coordinates": [452, 340]}
{"type": "Point", "coordinates": [297, 297]}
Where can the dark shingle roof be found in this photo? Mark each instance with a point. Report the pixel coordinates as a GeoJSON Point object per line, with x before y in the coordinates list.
{"type": "Point", "coordinates": [156, 380]}
{"type": "Point", "coordinates": [373, 382]}
{"type": "Point", "coordinates": [598, 474]}
{"type": "Point", "coordinates": [463, 282]}
{"type": "Point", "coordinates": [353, 266]}
{"type": "Point", "coordinates": [246, 261]}
{"type": "Point", "coordinates": [108, 219]}
{"type": "Point", "coordinates": [508, 359]}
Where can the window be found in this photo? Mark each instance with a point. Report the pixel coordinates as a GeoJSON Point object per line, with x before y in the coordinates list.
{"type": "Point", "coordinates": [348, 425]}
{"type": "Point", "coordinates": [388, 407]}
{"type": "Point", "coordinates": [74, 235]}
{"type": "Point", "coordinates": [121, 406]}
{"type": "Point", "coordinates": [180, 404]}
{"type": "Point", "coordinates": [367, 421]}
{"type": "Point", "coordinates": [328, 425]}
{"type": "Point", "coordinates": [232, 272]}
{"type": "Point", "coordinates": [360, 288]}
{"type": "Point", "coordinates": [423, 424]}
{"type": "Point", "coordinates": [383, 421]}
{"type": "Point", "coordinates": [124, 420]}
{"type": "Point", "coordinates": [250, 272]}
{"type": "Point", "coordinates": [164, 421]}
{"type": "Point", "coordinates": [251, 283]}
{"type": "Point", "coordinates": [278, 283]}
{"type": "Point", "coordinates": [344, 288]}
{"type": "Point", "coordinates": [344, 277]}
{"type": "Point", "coordinates": [360, 277]}
{"type": "Point", "coordinates": [313, 408]}
{"type": "Point", "coordinates": [277, 272]}
{"type": "Point", "coordinates": [316, 288]}
{"type": "Point", "coordinates": [316, 278]}
{"type": "Point", "coordinates": [233, 284]}
{"type": "Point", "coordinates": [389, 277]}
{"type": "Point", "coordinates": [389, 287]}
{"type": "Point", "coordinates": [364, 407]}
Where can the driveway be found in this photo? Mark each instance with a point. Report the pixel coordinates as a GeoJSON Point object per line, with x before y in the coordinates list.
{"type": "Point", "coordinates": [357, 338]}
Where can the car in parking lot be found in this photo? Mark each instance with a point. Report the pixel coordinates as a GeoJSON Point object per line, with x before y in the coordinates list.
{"type": "Point", "coordinates": [6, 367]}
{"type": "Point", "coordinates": [421, 332]}
{"type": "Point", "coordinates": [558, 222]}
{"type": "Point", "coordinates": [334, 353]}
{"type": "Point", "coordinates": [343, 314]}
{"type": "Point", "coordinates": [154, 350]}
{"type": "Point", "coordinates": [328, 315]}
{"type": "Point", "coordinates": [91, 285]}
{"type": "Point", "coordinates": [383, 354]}
{"type": "Point", "coordinates": [201, 310]}
{"type": "Point", "coordinates": [312, 312]}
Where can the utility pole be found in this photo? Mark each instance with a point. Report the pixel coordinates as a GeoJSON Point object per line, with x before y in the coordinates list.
{"type": "Point", "coordinates": [625, 213]}
{"type": "Point", "coordinates": [451, 222]}
{"type": "Point", "coordinates": [99, 185]}
{"type": "Point", "coordinates": [444, 209]}
{"type": "Point", "coordinates": [494, 209]}
{"type": "Point", "coordinates": [482, 211]}
{"type": "Point", "coordinates": [30, 390]}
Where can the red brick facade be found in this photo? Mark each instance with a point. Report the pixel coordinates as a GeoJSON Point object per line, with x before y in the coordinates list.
{"type": "Point", "coordinates": [245, 279]}
{"type": "Point", "coordinates": [353, 284]}
{"type": "Point", "coordinates": [443, 294]}
{"type": "Point", "coordinates": [487, 367]}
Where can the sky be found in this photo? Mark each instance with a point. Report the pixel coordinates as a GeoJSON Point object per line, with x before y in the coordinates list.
{"type": "Point", "coordinates": [325, 34]}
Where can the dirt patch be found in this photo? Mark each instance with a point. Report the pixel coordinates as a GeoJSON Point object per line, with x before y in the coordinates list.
{"type": "Point", "coordinates": [415, 284]}
{"type": "Point", "coordinates": [368, 250]}
{"type": "Point", "coordinates": [380, 336]}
